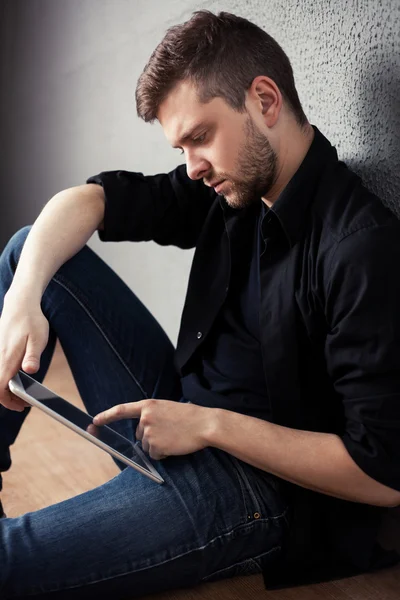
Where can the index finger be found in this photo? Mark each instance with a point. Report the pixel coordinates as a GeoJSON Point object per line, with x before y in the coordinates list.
{"type": "Point", "coordinates": [129, 410]}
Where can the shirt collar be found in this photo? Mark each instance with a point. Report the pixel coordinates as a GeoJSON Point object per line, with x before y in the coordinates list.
{"type": "Point", "coordinates": [290, 208]}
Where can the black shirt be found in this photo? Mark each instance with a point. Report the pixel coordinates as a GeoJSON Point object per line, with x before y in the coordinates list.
{"type": "Point", "coordinates": [329, 326]}
{"type": "Point", "coordinates": [227, 370]}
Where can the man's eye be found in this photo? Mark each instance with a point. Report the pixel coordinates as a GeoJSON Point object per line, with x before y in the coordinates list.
{"type": "Point", "coordinates": [199, 139]}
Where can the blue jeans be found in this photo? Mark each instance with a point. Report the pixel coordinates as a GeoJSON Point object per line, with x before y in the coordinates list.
{"type": "Point", "coordinates": [214, 517]}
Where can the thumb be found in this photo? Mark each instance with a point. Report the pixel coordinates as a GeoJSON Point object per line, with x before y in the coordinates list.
{"type": "Point", "coordinates": [31, 360]}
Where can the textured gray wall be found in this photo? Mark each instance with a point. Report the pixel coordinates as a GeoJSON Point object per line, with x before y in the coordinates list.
{"type": "Point", "coordinates": [67, 81]}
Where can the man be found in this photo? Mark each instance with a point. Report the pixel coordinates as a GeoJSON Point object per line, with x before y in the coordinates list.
{"type": "Point", "coordinates": [275, 422]}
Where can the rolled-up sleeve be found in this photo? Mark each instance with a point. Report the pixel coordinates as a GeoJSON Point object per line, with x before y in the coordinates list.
{"type": "Point", "coordinates": [167, 208]}
{"type": "Point", "coordinates": [363, 347]}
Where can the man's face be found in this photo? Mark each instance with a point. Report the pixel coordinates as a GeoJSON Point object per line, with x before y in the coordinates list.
{"type": "Point", "coordinates": [222, 147]}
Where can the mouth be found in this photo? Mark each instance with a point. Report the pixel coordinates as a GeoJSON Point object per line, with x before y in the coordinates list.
{"type": "Point", "coordinates": [217, 185]}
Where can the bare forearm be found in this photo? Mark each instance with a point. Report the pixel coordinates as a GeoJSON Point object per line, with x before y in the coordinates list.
{"type": "Point", "coordinates": [317, 461]}
{"type": "Point", "coordinates": [63, 227]}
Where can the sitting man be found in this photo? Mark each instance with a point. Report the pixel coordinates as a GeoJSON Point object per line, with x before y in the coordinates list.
{"type": "Point", "coordinates": [275, 422]}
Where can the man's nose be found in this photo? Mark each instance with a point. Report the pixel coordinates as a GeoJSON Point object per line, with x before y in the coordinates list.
{"type": "Point", "coordinates": [196, 167]}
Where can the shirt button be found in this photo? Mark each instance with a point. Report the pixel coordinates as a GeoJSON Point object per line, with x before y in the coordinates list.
{"type": "Point", "coordinates": [199, 335]}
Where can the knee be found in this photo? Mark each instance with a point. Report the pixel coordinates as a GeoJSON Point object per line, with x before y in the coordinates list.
{"type": "Point", "coordinates": [18, 239]}
{"type": "Point", "coordinates": [15, 244]}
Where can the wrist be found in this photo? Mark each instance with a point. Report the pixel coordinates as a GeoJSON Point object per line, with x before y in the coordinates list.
{"type": "Point", "coordinates": [21, 294]}
{"type": "Point", "coordinates": [213, 426]}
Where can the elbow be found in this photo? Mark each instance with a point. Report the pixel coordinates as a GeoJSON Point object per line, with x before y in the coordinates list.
{"type": "Point", "coordinates": [388, 499]}
{"type": "Point", "coordinates": [394, 500]}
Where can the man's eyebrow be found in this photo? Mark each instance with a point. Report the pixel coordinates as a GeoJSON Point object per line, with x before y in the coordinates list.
{"type": "Point", "coordinates": [189, 134]}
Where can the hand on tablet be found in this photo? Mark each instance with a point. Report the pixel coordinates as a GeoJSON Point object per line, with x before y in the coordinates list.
{"type": "Point", "coordinates": [166, 427]}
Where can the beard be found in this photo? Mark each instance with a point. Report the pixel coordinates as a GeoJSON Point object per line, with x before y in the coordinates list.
{"type": "Point", "coordinates": [255, 172]}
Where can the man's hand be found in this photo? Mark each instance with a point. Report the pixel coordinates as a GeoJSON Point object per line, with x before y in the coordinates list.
{"type": "Point", "coordinates": [166, 427]}
{"type": "Point", "coordinates": [24, 333]}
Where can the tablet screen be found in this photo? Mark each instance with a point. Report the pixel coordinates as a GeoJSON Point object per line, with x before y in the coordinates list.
{"type": "Point", "coordinates": [82, 420]}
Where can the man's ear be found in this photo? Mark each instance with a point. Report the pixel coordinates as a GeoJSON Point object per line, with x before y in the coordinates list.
{"type": "Point", "coordinates": [267, 96]}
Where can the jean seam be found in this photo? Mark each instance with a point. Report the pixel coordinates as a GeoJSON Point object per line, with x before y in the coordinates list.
{"type": "Point", "coordinates": [57, 280]}
{"type": "Point", "coordinates": [158, 564]}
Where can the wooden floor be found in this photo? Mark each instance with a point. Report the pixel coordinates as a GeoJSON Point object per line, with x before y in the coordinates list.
{"type": "Point", "coordinates": [48, 468]}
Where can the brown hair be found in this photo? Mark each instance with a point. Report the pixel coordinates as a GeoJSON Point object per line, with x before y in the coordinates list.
{"type": "Point", "coordinates": [221, 54]}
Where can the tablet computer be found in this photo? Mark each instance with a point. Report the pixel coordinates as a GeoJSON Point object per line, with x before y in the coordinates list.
{"type": "Point", "coordinates": [103, 436]}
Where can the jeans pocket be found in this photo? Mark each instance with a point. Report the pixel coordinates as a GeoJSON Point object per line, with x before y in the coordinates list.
{"type": "Point", "coordinates": [261, 491]}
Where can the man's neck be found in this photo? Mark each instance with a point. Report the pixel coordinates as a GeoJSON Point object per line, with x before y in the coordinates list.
{"type": "Point", "coordinates": [289, 161]}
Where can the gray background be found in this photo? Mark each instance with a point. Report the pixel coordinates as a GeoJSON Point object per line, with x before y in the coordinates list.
{"type": "Point", "coordinates": [68, 73]}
